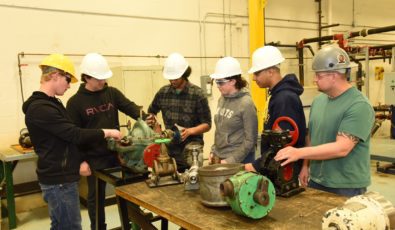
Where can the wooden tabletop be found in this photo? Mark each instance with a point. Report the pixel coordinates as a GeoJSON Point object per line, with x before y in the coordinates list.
{"type": "Point", "coordinates": [15, 153]}
{"type": "Point", "coordinates": [303, 211]}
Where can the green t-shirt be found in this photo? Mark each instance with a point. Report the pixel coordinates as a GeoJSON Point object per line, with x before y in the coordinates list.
{"type": "Point", "coordinates": [350, 113]}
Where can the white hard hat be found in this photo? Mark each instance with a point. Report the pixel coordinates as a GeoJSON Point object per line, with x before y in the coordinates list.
{"type": "Point", "coordinates": [95, 65]}
{"type": "Point", "coordinates": [265, 57]}
{"type": "Point", "coordinates": [175, 66]}
{"type": "Point", "coordinates": [226, 67]}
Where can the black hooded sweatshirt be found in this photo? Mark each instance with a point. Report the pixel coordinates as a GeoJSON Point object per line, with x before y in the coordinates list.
{"type": "Point", "coordinates": [285, 101]}
{"type": "Point", "coordinates": [99, 110]}
{"type": "Point", "coordinates": [55, 138]}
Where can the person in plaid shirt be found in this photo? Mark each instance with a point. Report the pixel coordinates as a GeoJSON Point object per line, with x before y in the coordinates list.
{"type": "Point", "coordinates": [183, 105]}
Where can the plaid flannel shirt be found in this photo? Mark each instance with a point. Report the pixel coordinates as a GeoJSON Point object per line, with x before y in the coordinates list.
{"type": "Point", "coordinates": [188, 108]}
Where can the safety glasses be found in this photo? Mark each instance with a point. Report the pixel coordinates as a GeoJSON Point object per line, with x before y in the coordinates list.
{"type": "Point", "coordinates": [221, 82]}
{"type": "Point", "coordinates": [66, 75]}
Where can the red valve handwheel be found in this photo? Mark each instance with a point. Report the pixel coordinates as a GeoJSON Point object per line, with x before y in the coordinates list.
{"type": "Point", "coordinates": [294, 133]}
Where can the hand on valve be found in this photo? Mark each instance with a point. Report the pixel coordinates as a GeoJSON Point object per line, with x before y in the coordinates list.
{"type": "Point", "coordinates": [114, 133]}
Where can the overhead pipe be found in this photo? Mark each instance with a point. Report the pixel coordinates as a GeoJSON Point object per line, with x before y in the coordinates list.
{"type": "Point", "coordinates": [23, 54]}
{"type": "Point", "coordinates": [320, 26]}
{"type": "Point", "coordinates": [358, 79]}
{"type": "Point", "coordinates": [366, 32]}
{"type": "Point", "coordinates": [381, 49]}
{"type": "Point", "coordinates": [393, 64]}
{"type": "Point", "coordinates": [341, 40]}
{"type": "Point", "coordinates": [373, 58]}
{"type": "Point", "coordinates": [367, 82]}
{"type": "Point", "coordinates": [301, 65]}
{"type": "Point", "coordinates": [300, 57]}
{"type": "Point", "coordinates": [319, 23]}
{"type": "Point", "coordinates": [277, 44]}
{"type": "Point", "coordinates": [385, 52]}
{"type": "Point", "coordinates": [384, 47]}
{"type": "Point", "coordinates": [341, 37]}
{"type": "Point", "coordinates": [20, 74]}
{"type": "Point", "coordinates": [329, 26]}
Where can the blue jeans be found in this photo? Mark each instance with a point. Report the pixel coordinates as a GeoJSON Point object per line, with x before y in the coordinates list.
{"type": "Point", "coordinates": [340, 191]}
{"type": "Point", "coordinates": [63, 205]}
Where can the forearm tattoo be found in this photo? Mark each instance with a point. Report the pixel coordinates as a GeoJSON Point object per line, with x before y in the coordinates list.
{"type": "Point", "coordinates": [353, 138]}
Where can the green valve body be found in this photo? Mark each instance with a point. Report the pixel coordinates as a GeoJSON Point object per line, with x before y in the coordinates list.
{"type": "Point", "coordinates": [249, 194]}
{"type": "Point", "coordinates": [131, 148]}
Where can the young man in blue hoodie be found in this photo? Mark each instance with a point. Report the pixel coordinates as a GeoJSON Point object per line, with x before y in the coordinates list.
{"type": "Point", "coordinates": [284, 98]}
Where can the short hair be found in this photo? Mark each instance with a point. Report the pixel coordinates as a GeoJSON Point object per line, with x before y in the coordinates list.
{"type": "Point", "coordinates": [46, 71]}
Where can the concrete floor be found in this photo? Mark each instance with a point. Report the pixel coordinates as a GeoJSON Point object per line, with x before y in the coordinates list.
{"type": "Point", "coordinates": [33, 214]}
{"type": "Point", "coordinates": [37, 218]}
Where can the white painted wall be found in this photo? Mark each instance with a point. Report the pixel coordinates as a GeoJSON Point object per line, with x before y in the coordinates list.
{"type": "Point", "coordinates": [194, 28]}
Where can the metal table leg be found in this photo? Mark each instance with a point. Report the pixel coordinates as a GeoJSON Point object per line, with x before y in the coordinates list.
{"type": "Point", "coordinates": [123, 213]}
{"type": "Point", "coordinates": [100, 204]}
{"type": "Point", "coordinates": [8, 168]}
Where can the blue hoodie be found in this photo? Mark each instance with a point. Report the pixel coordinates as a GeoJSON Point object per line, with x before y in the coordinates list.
{"type": "Point", "coordinates": [285, 101]}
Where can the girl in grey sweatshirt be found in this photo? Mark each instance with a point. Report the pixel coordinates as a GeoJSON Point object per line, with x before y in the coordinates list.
{"type": "Point", "coordinates": [236, 123]}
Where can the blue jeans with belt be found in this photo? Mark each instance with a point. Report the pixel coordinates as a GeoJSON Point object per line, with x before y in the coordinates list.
{"type": "Point", "coordinates": [63, 205]}
{"type": "Point", "coordinates": [349, 192]}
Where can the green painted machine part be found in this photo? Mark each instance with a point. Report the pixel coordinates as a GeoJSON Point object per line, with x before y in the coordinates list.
{"type": "Point", "coordinates": [162, 140]}
{"type": "Point", "coordinates": [249, 194]}
{"type": "Point", "coordinates": [131, 147]}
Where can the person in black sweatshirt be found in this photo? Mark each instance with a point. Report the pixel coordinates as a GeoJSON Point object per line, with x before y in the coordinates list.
{"type": "Point", "coordinates": [55, 138]}
{"type": "Point", "coordinates": [283, 99]}
{"type": "Point", "coordinates": [96, 105]}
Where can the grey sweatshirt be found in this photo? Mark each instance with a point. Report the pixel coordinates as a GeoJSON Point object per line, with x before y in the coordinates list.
{"type": "Point", "coordinates": [236, 127]}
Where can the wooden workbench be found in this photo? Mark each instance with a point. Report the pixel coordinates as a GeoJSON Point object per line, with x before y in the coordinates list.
{"type": "Point", "coordinates": [9, 158]}
{"type": "Point", "coordinates": [303, 211]}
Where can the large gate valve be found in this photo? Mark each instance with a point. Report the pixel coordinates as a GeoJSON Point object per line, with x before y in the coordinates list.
{"type": "Point", "coordinates": [293, 133]}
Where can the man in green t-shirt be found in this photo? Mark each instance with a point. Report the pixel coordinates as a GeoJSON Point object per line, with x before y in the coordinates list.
{"type": "Point", "coordinates": [337, 159]}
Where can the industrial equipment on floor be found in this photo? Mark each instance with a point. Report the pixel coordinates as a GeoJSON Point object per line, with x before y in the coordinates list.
{"type": "Point", "coordinates": [210, 179]}
{"type": "Point", "coordinates": [249, 194]}
{"type": "Point", "coordinates": [383, 113]}
{"type": "Point", "coordinates": [368, 211]}
{"type": "Point", "coordinates": [284, 178]}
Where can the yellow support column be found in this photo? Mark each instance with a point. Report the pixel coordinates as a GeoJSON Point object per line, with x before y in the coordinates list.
{"type": "Point", "coordinates": [257, 39]}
